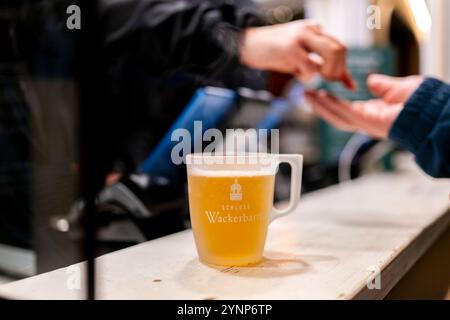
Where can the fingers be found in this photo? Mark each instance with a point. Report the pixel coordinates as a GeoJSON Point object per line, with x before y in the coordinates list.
{"type": "Point", "coordinates": [334, 55]}
{"type": "Point", "coordinates": [340, 63]}
{"type": "Point", "coordinates": [379, 84]}
{"type": "Point", "coordinates": [346, 76]}
{"type": "Point", "coordinates": [374, 116]}
{"type": "Point", "coordinates": [393, 89]}
{"type": "Point", "coordinates": [327, 108]}
{"type": "Point", "coordinates": [306, 67]}
{"type": "Point", "coordinates": [348, 81]}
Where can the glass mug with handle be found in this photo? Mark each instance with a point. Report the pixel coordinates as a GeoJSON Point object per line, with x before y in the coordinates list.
{"type": "Point", "coordinates": [231, 203]}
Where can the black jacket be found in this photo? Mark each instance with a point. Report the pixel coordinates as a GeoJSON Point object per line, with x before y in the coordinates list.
{"type": "Point", "coordinates": [160, 51]}
{"type": "Point", "coordinates": [157, 52]}
{"type": "Point", "coordinates": [167, 35]}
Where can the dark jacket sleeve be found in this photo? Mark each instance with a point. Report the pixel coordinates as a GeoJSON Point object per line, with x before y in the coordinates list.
{"type": "Point", "coordinates": [423, 127]}
{"type": "Point", "coordinates": [166, 35]}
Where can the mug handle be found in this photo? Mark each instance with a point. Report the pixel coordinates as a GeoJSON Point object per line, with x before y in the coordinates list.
{"type": "Point", "coordinates": [296, 163]}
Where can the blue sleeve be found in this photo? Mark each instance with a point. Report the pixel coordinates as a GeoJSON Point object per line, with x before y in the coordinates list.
{"type": "Point", "coordinates": [423, 127]}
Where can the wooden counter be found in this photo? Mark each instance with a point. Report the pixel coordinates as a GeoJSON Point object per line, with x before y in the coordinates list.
{"type": "Point", "coordinates": [328, 249]}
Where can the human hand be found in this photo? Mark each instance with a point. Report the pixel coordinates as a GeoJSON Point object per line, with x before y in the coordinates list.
{"type": "Point", "coordinates": [288, 48]}
{"type": "Point", "coordinates": [374, 117]}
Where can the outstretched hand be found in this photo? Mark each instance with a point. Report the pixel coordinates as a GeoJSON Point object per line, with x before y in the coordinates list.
{"type": "Point", "coordinates": [374, 117]}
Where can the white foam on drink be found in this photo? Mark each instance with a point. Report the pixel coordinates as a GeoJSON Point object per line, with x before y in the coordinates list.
{"type": "Point", "coordinates": [230, 173]}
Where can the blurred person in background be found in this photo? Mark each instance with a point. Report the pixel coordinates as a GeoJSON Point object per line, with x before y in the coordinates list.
{"type": "Point", "coordinates": [412, 111]}
{"type": "Point", "coordinates": [156, 53]}
{"type": "Point", "coordinates": [158, 47]}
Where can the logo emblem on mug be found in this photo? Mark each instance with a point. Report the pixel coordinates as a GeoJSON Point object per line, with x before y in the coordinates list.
{"type": "Point", "coordinates": [235, 191]}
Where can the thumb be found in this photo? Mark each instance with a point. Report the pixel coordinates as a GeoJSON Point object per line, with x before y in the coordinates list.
{"type": "Point", "coordinates": [379, 85]}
